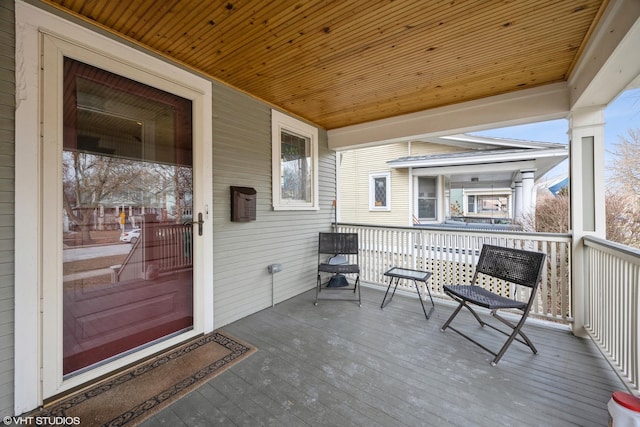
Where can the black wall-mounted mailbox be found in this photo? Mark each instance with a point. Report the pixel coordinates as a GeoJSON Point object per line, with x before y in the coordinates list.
{"type": "Point", "coordinates": [243, 204]}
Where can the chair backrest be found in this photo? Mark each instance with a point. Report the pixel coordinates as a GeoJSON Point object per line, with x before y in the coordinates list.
{"type": "Point", "coordinates": [338, 243]}
{"type": "Point", "coordinates": [513, 265]}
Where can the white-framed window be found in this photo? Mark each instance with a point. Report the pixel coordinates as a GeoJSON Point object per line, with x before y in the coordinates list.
{"type": "Point", "coordinates": [487, 204]}
{"type": "Point", "coordinates": [380, 191]}
{"type": "Point", "coordinates": [294, 150]}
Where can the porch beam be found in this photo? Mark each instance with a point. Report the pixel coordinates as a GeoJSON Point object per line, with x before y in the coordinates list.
{"type": "Point", "coordinates": [526, 106]}
{"type": "Point", "coordinates": [609, 64]}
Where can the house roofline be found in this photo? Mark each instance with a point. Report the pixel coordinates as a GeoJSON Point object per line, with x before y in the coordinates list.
{"type": "Point", "coordinates": [475, 158]}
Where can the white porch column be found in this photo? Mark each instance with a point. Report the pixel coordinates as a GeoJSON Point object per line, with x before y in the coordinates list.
{"type": "Point", "coordinates": [586, 154]}
{"type": "Point", "coordinates": [528, 198]}
{"type": "Point", "coordinates": [517, 204]}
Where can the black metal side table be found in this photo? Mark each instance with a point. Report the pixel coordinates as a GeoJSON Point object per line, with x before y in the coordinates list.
{"type": "Point", "coordinates": [416, 276]}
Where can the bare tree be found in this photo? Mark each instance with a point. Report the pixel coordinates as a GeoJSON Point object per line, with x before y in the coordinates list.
{"type": "Point", "coordinates": [89, 179]}
{"type": "Point", "coordinates": [551, 214]}
{"type": "Point", "coordinates": [623, 219]}
{"type": "Point", "coordinates": [162, 180]}
{"type": "Point", "coordinates": [623, 193]}
{"type": "Point", "coordinates": [624, 170]}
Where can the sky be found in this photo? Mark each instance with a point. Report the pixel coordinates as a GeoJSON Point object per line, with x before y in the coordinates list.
{"type": "Point", "coordinates": [622, 114]}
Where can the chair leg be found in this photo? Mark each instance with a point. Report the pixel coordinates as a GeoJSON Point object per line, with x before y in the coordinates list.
{"type": "Point", "coordinates": [468, 307]}
{"type": "Point", "coordinates": [525, 339]}
{"type": "Point", "coordinates": [317, 288]}
{"type": "Point", "coordinates": [457, 310]}
{"type": "Point", "coordinates": [454, 314]}
{"type": "Point", "coordinates": [517, 330]}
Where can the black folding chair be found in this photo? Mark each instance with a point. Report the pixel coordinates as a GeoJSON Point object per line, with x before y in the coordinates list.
{"type": "Point", "coordinates": [338, 256]}
{"type": "Point", "coordinates": [516, 266]}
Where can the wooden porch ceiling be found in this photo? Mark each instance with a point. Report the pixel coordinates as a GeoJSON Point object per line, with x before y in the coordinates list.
{"type": "Point", "coordinates": [340, 63]}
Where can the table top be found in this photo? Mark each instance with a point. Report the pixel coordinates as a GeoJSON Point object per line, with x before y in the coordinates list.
{"type": "Point", "coordinates": [407, 273]}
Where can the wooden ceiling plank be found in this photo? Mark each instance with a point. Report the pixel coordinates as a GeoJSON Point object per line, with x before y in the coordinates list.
{"type": "Point", "coordinates": [229, 16]}
{"type": "Point", "coordinates": [383, 54]}
{"type": "Point", "coordinates": [91, 8]}
{"type": "Point", "coordinates": [144, 26]}
{"type": "Point", "coordinates": [462, 44]}
{"type": "Point", "coordinates": [233, 38]}
{"type": "Point", "coordinates": [116, 13]}
{"type": "Point", "coordinates": [168, 28]}
{"type": "Point", "coordinates": [375, 58]}
{"type": "Point", "coordinates": [509, 82]}
{"type": "Point", "coordinates": [474, 87]}
{"type": "Point", "coordinates": [341, 35]}
{"type": "Point", "coordinates": [180, 33]}
{"type": "Point", "coordinates": [262, 23]}
{"type": "Point", "coordinates": [533, 48]}
{"type": "Point", "coordinates": [407, 77]}
{"type": "Point", "coordinates": [80, 4]}
{"type": "Point", "coordinates": [253, 43]}
{"type": "Point", "coordinates": [139, 12]}
{"type": "Point", "coordinates": [286, 32]}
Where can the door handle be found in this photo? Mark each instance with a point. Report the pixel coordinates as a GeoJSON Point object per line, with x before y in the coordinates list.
{"type": "Point", "coordinates": [200, 222]}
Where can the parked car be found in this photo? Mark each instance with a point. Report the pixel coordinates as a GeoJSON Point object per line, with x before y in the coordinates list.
{"type": "Point", "coordinates": [130, 236]}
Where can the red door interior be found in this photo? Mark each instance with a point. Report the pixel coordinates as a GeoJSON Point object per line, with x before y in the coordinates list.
{"type": "Point", "coordinates": [127, 192]}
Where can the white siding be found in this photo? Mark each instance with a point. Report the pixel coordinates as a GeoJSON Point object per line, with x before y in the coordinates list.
{"type": "Point", "coordinates": [7, 190]}
{"type": "Point", "coordinates": [425, 148]}
{"type": "Point", "coordinates": [355, 168]}
{"type": "Point", "coordinates": [242, 251]}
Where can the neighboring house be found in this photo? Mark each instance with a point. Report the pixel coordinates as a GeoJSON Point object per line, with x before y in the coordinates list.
{"type": "Point", "coordinates": [557, 186]}
{"type": "Point", "coordinates": [461, 178]}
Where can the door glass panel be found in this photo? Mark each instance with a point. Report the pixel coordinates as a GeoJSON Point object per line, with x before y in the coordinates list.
{"type": "Point", "coordinates": [127, 192]}
{"type": "Point", "coordinates": [296, 167]}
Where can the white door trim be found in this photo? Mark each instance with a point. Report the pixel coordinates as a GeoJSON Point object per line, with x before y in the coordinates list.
{"type": "Point", "coordinates": [34, 169]}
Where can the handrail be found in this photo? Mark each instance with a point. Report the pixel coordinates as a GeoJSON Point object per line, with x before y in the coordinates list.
{"type": "Point", "coordinates": [613, 304]}
{"type": "Point", "coordinates": [162, 248]}
{"type": "Point", "coordinates": [132, 266]}
{"type": "Point", "coordinates": [451, 254]}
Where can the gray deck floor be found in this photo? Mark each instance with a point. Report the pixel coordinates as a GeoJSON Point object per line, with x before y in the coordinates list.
{"type": "Point", "coordinates": [338, 364]}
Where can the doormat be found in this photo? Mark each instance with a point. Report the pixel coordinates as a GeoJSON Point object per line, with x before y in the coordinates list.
{"type": "Point", "coordinates": [143, 390]}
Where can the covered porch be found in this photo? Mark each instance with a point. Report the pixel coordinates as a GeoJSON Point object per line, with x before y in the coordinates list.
{"type": "Point", "coordinates": [337, 364]}
{"type": "Point", "coordinates": [340, 364]}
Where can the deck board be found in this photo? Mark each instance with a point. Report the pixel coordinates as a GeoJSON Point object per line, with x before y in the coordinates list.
{"type": "Point", "coordinates": [340, 364]}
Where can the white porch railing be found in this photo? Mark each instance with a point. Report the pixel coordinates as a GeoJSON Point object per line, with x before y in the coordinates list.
{"type": "Point", "coordinates": [451, 254]}
{"type": "Point", "coordinates": [168, 247]}
{"type": "Point", "coordinates": [612, 307]}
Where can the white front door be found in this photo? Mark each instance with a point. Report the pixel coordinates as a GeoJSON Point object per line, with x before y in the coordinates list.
{"type": "Point", "coordinates": [126, 176]}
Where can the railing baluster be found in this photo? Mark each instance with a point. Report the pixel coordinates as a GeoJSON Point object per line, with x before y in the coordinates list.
{"type": "Point", "coordinates": [613, 304]}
